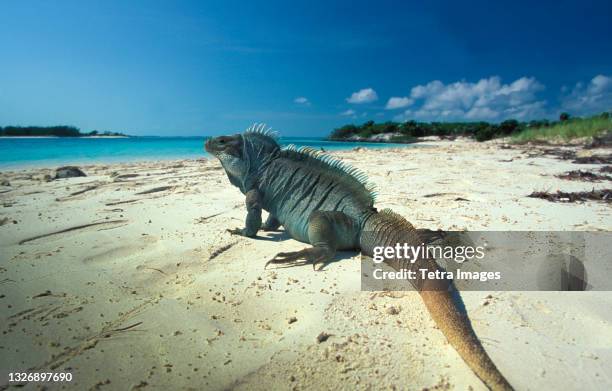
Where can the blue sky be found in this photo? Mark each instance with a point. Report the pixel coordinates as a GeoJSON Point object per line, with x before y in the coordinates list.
{"type": "Point", "coordinates": [202, 67]}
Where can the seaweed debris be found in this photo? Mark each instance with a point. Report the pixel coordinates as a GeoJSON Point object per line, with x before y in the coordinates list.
{"type": "Point", "coordinates": [604, 195]}
{"type": "Point", "coordinates": [580, 175]}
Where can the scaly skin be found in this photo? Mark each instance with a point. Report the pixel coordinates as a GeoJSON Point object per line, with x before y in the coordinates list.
{"type": "Point", "coordinates": [327, 204]}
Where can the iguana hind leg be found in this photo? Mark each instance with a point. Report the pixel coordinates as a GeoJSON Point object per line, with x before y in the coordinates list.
{"type": "Point", "coordinates": [327, 232]}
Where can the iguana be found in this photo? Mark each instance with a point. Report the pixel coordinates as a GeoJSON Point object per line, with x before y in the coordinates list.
{"type": "Point", "coordinates": [321, 201]}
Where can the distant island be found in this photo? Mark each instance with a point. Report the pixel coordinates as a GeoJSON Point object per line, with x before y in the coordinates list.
{"type": "Point", "coordinates": [565, 129]}
{"type": "Point", "coordinates": [53, 131]}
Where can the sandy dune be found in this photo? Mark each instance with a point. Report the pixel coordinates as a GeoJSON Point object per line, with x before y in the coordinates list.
{"type": "Point", "coordinates": [127, 278]}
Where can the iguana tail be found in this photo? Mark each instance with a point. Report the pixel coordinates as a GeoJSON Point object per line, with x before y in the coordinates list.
{"type": "Point", "coordinates": [387, 228]}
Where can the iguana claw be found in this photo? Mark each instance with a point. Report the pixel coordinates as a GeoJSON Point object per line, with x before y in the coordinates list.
{"type": "Point", "coordinates": [311, 255]}
{"type": "Point", "coordinates": [235, 231]}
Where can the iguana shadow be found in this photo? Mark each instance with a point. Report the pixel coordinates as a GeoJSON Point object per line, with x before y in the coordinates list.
{"type": "Point", "coordinates": [274, 236]}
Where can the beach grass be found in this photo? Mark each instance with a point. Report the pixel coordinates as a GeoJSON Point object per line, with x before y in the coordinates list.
{"type": "Point", "coordinates": [566, 130]}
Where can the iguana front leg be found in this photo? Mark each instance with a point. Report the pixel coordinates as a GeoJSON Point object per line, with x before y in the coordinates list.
{"type": "Point", "coordinates": [253, 218]}
{"type": "Point", "coordinates": [327, 232]}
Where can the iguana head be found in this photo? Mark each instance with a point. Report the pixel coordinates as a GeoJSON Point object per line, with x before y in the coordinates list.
{"type": "Point", "coordinates": [228, 149]}
{"type": "Point", "coordinates": [244, 155]}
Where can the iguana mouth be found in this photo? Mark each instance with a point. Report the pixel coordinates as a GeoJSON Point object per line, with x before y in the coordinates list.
{"type": "Point", "coordinates": [214, 145]}
{"type": "Point", "coordinates": [229, 144]}
{"type": "Point", "coordinates": [208, 146]}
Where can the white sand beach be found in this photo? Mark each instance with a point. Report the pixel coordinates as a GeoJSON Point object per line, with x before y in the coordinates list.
{"type": "Point", "coordinates": [128, 278]}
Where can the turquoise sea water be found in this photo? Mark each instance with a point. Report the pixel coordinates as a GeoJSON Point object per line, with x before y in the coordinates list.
{"type": "Point", "coordinates": [50, 152]}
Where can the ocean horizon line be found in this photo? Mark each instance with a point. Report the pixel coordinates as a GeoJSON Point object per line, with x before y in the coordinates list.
{"type": "Point", "coordinates": [36, 152]}
{"type": "Point", "coordinates": [139, 136]}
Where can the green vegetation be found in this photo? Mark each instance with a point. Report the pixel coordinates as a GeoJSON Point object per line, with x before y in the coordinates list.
{"type": "Point", "coordinates": [105, 133]}
{"type": "Point", "coordinates": [566, 128]}
{"type": "Point", "coordinates": [409, 130]}
{"type": "Point", "coordinates": [58, 131]}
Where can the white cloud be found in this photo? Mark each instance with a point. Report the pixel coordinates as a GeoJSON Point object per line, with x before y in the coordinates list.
{"type": "Point", "coordinates": [348, 113]}
{"type": "Point", "coordinates": [481, 113]}
{"type": "Point", "coordinates": [528, 111]}
{"type": "Point", "coordinates": [601, 84]}
{"type": "Point", "coordinates": [300, 100]}
{"type": "Point", "coordinates": [487, 99]}
{"type": "Point", "coordinates": [396, 102]}
{"type": "Point", "coordinates": [593, 98]}
{"type": "Point", "coordinates": [365, 95]}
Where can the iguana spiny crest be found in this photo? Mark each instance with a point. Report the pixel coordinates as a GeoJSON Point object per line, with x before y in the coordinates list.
{"type": "Point", "coordinates": [243, 156]}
